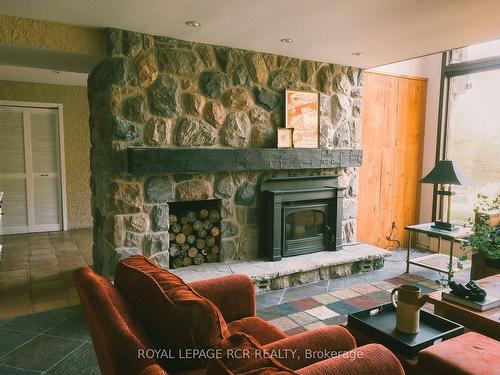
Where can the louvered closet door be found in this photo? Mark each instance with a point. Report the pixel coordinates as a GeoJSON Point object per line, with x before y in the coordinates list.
{"type": "Point", "coordinates": [45, 170]}
{"type": "Point", "coordinates": [13, 172]}
{"type": "Point", "coordinates": [30, 170]}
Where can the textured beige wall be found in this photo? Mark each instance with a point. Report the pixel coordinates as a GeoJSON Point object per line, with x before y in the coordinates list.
{"type": "Point", "coordinates": [76, 139]}
{"type": "Point", "coordinates": [25, 32]}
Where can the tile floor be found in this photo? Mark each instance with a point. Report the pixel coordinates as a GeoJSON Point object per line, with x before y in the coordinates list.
{"type": "Point", "coordinates": [36, 270]}
{"type": "Point", "coordinates": [332, 307]}
{"type": "Point", "coordinates": [51, 342]}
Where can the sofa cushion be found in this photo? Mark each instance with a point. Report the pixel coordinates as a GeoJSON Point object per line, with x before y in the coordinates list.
{"type": "Point", "coordinates": [174, 316]}
{"type": "Point", "coordinates": [243, 355]}
{"type": "Point", "coordinates": [263, 332]}
{"type": "Point", "coordinates": [468, 354]}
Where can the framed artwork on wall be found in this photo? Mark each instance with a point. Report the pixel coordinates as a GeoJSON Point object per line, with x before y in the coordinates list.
{"type": "Point", "coordinates": [302, 115]}
{"type": "Point", "coordinates": [285, 137]}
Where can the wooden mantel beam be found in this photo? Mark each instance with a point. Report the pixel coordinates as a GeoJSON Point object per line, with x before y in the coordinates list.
{"type": "Point", "coordinates": [149, 160]}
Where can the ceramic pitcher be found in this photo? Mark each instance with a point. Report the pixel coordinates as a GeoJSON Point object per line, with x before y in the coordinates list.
{"type": "Point", "coordinates": [409, 301]}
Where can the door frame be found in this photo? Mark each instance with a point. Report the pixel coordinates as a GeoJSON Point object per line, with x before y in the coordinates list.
{"type": "Point", "coordinates": [60, 136]}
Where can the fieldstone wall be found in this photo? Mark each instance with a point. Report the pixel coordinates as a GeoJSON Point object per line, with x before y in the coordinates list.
{"type": "Point", "coordinates": [155, 91]}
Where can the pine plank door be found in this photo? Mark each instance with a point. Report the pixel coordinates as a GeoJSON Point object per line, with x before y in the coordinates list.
{"type": "Point", "coordinates": [378, 125]}
{"type": "Point", "coordinates": [392, 126]}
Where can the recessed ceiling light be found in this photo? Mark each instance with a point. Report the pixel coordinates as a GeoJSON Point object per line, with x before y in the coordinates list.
{"type": "Point", "coordinates": [357, 53]}
{"type": "Point", "coordinates": [193, 23]}
{"type": "Point", "coordinates": [287, 40]}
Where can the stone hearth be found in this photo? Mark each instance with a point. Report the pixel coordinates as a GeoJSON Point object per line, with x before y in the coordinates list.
{"type": "Point", "coordinates": [163, 96]}
{"type": "Point", "coordinates": [297, 270]}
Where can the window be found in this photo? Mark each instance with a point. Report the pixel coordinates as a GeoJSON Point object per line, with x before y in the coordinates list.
{"type": "Point", "coordinates": [471, 122]}
{"type": "Point", "coordinates": [475, 52]}
{"type": "Point", "coordinates": [474, 137]}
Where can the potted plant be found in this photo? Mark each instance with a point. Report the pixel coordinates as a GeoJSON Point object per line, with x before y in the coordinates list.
{"type": "Point", "coordinates": [484, 240]}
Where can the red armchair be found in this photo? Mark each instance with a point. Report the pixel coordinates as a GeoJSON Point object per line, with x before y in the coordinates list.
{"type": "Point", "coordinates": [119, 336]}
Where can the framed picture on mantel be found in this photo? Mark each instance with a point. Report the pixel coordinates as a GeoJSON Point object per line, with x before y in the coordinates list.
{"type": "Point", "coordinates": [302, 114]}
{"type": "Point", "coordinates": [285, 137]}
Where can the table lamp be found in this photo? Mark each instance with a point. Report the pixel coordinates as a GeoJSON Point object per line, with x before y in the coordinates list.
{"type": "Point", "coordinates": [445, 172]}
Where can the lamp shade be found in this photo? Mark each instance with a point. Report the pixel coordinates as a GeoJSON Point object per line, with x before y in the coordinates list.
{"type": "Point", "coordinates": [446, 172]}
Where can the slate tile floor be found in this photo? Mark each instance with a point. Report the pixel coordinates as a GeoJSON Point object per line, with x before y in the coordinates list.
{"type": "Point", "coordinates": [333, 307]}
{"type": "Point", "coordinates": [52, 342]}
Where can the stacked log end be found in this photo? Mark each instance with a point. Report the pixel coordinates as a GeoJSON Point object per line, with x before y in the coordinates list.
{"type": "Point", "coordinates": [194, 238]}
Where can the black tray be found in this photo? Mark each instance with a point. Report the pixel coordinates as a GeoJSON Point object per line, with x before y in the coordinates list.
{"type": "Point", "coordinates": [381, 326]}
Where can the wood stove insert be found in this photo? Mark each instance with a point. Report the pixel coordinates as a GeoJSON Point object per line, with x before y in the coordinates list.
{"type": "Point", "coordinates": [300, 215]}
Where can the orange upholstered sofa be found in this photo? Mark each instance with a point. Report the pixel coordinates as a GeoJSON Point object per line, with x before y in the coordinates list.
{"type": "Point", "coordinates": [149, 313]}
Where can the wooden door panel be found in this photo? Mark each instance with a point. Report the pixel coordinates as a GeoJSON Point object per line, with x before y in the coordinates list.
{"type": "Point", "coordinates": [368, 206]}
{"type": "Point", "coordinates": [411, 113]}
{"type": "Point", "coordinates": [392, 124]}
{"type": "Point", "coordinates": [376, 140]}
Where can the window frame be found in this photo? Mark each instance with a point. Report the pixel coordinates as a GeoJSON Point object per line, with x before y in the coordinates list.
{"type": "Point", "coordinates": [448, 71]}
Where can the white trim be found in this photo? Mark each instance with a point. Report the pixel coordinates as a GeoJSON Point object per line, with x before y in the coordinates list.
{"type": "Point", "coordinates": [12, 103]}
{"type": "Point", "coordinates": [62, 168]}
{"type": "Point", "coordinates": [28, 159]}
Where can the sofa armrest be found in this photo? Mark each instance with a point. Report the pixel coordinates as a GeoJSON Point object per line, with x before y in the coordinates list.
{"type": "Point", "coordinates": [304, 347]}
{"type": "Point", "coordinates": [234, 295]}
{"type": "Point", "coordinates": [372, 359]}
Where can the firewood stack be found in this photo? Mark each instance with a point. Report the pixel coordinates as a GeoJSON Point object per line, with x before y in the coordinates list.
{"type": "Point", "coordinates": [194, 238]}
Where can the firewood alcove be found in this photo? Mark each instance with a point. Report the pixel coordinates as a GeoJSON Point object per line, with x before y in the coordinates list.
{"type": "Point", "coordinates": [195, 232]}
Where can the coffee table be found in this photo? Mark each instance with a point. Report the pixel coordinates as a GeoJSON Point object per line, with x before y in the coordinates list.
{"type": "Point", "coordinates": [404, 347]}
{"type": "Point", "coordinates": [380, 324]}
{"type": "Point", "coordinates": [485, 322]}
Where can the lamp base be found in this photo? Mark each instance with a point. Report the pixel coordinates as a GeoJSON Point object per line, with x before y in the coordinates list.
{"type": "Point", "coordinates": [444, 225]}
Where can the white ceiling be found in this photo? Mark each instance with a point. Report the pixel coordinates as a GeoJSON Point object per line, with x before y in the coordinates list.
{"type": "Point", "coordinates": [326, 30]}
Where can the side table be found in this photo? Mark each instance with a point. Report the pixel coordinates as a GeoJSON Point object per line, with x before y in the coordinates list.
{"type": "Point", "coordinates": [433, 261]}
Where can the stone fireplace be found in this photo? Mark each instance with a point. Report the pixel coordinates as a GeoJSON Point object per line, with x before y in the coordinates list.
{"type": "Point", "coordinates": [174, 121]}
